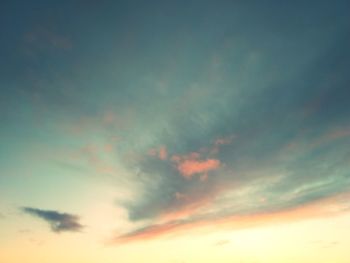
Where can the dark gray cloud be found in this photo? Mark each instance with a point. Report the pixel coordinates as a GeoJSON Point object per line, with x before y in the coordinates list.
{"type": "Point", "coordinates": [59, 222]}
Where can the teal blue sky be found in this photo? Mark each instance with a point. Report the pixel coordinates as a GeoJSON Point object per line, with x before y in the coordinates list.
{"type": "Point", "coordinates": [191, 111]}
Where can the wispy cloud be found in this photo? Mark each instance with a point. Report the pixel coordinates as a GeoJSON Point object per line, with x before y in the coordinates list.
{"type": "Point", "coordinates": [229, 220]}
{"type": "Point", "coordinates": [59, 222]}
{"type": "Point", "coordinates": [261, 129]}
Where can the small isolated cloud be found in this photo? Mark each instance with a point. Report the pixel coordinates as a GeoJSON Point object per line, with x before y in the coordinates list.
{"type": "Point", "coordinates": [160, 153]}
{"type": "Point", "coordinates": [163, 153]}
{"type": "Point", "coordinates": [201, 162]}
{"type": "Point", "coordinates": [191, 167]}
{"type": "Point", "coordinates": [192, 164]}
{"type": "Point", "coordinates": [59, 222]}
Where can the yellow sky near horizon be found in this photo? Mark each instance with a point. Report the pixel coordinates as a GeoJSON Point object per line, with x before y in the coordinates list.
{"type": "Point", "coordinates": [321, 240]}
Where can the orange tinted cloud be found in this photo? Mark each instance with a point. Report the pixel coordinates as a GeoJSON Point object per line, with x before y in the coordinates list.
{"type": "Point", "coordinates": [163, 154]}
{"type": "Point", "coordinates": [190, 167]}
{"type": "Point", "coordinates": [191, 164]}
{"type": "Point", "coordinates": [160, 153]}
{"type": "Point", "coordinates": [150, 232]}
{"type": "Point", "coordinates": [198, 162]}
{"type": "Point", "coordinates": [326, 207]}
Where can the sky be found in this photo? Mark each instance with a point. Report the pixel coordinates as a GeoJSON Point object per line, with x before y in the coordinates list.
{"type": "Point", "coordinates": [174, 131]}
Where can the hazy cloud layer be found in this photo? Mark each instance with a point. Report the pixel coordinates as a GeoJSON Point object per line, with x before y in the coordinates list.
{"type": "Point", "coordinates": [289, 146]}
{"type": "Point", "coordinates": [234, 110]}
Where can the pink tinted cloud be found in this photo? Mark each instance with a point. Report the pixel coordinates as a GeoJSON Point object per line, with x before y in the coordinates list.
{"type": "Point", "coordinates": [193, 163]}
{"type": "Point", "coordinates": [160, 153]}
{"type": "Point", "coordinates": [221, 141]}
{"type": "Point", "coordinates": [163, 154]}
{"type": "Point", "coordinates": [190, 167]}
{"type": "Point", "coordinates": [324, 208]}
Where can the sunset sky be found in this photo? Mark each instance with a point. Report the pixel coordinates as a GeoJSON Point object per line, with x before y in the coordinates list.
{"type": "Point", "coordinates": [174, 131]}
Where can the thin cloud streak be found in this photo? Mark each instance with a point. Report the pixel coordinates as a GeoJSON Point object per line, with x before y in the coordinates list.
{"type": "Point", "coordinates": [328, 207]}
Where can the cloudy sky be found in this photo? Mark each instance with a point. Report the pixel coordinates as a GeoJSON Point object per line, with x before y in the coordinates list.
{"type": "Point", "coordinates": [174, 131]}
